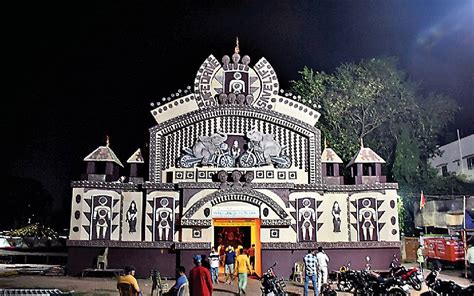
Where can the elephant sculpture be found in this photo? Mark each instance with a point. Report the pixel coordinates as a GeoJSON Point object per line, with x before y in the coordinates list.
{"type": "Point", "coordinates": [207, 147]}
{"type": "Point", "coordinates": [264, 144]}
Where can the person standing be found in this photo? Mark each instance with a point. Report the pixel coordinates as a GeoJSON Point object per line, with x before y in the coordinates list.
{"type": "Point", "coordinates": [221, 251]}
{"type": "Point", "coordinates": [310, 271]}
{"type": "Point", "coordinates": [470, 259]}
{"type": "Point", "coordinates": [214, 263]}
{"type": "Point", "coordinates": [251, 253]}
{"type": "Point", "coordinates": [242, 267]}
{"type": "Point", "coordinates": [420, 257]}
{"type": "Point", "coordinates": [229, 265]}
{"type": "Point", "coordinates": [129, 278]}
{"type": "Point", "coordinates": [323, 261]}
{"type": "Point", "coordinates": [199, 279]}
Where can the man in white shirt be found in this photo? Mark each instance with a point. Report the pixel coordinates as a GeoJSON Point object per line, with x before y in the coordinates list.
{"type": "Point", "coordinates": [214, 263]}
{"type": "Point", "coordinates": [323, 261]}
{"type": "Point", "coordinates": [470, 259]}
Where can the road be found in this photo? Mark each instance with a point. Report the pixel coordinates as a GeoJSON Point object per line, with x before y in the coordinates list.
{"type": "Point", "coordinates": [107, 286]}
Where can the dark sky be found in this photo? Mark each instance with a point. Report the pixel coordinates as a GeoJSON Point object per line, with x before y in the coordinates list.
{"type": "Point", "coordinates": [86, 71]}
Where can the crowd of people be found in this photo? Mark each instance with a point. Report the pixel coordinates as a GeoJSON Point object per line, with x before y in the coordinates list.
{"type": "Point", "coordinates": [237, 263]}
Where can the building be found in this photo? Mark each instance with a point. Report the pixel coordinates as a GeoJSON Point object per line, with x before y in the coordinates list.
{"type": "Point", "coordinates": [456, 157]}
{"type": "Point", "coordinates": [234, 160]}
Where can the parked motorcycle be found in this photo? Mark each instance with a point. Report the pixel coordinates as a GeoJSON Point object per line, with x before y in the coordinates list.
{"type": "Point", "coordinates": [271, 285]}
{"type": "Point", "coordinates": [446, 288]}
{"type": "Point", "coordinates": [411, 276]}
{"type": "Point", "coordinates": [371, 283]}
{"type": "Point", "coordinates": [346, 278]}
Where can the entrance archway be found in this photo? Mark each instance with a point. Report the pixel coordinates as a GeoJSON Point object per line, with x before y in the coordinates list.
{"type": "Point", "coordinates": [239, 224]}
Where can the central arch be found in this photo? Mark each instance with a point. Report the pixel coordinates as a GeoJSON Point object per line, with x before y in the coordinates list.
{"type": "Point", "coordinates": [237, 194]}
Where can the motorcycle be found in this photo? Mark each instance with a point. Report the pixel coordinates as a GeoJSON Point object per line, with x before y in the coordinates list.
{"type": "Point", "coordinates": [221, 159]}
{"type": "Point", "coordinates": [446, 288]}
{"type": "Point", "coordinates": [252, 158]}
{"type": "Point", "coordinates": [412, 276]}
{"type": "Point", "coordinates": [371, 283]}
{"type": "Point", "coordinates": [271, 285]}
{"type": "Point", "coordinates": [346, 278]}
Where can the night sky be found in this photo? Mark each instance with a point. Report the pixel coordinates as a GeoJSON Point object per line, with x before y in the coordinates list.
{"type": "Point", "coordinates": [83, 72]}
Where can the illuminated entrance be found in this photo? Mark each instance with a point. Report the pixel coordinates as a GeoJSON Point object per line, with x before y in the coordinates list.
{"type": "Point", "coordinates": [239, 231]}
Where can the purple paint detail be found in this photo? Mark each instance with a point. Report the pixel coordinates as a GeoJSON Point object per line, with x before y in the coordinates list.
{"type": "Point", "coordinates": [294, 227]}
{"type": "Point", "coordinates": [114, 215]}
{"type": "Point", "coordinates": [354, 214]}
{"type": "Point", "coordinates": [380, 259]}
{"type": "Point", "coordinates": [379, 203]}
{"type": "Point", "coordinates": [115, 202]}
{"type": "Point", "coordinates": [381, 225]}
{"type": "Point", "coordinates": [88, 216]}
{"type": "Point", "coordinates": [318, 203]}
{"type": "Point", "coordinates": [354, 225]}
{"type": "Point", "coordinates": [114, 227]}
{"type": "Point", "coordinates": [150, 202]}
{"type": "Point", "coordinates": [294, 215]}
{"type": "Point", "coordinates": [150, 228]}
{"type": "Point", "coordinates": [143, 259]}
{"type": "Point", "coordinates": [319, 225]}
{"type": "Point", "coordinates": [380, 213]}
{"type": "Point", "coordinates": [150, 215]}
{"type": "Point", "coordinates": [293, 203]}
{"type": "Point", "coordinates": [86, 228]}
{"type": "Point", "coordinates": [88, 202]}
{"type": "Point", "coordinates": [318, 214]}
{"type": "Point", "coordinates": [354, 203]}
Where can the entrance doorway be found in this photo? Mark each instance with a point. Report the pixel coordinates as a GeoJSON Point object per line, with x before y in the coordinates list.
{"type": "Point", "coordinates": [233, 236]}
{"type": "Point", "coordinates": [239, 232]}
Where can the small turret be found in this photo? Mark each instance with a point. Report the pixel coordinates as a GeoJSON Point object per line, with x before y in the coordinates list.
{"type": "Point", "coordinates": [330, 166]}
{"type": "Point", "coordinates": [366, 166]}
{"type": "Point", "coordinates": [136, 167]}
{"type": "Point", "coordinates": [102, 165]}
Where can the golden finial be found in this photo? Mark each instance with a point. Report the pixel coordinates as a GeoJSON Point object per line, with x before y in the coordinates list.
{"type": "Point", "coordinates": [325, 143]}
{"type": "Point", "coordinates": [361, 143]}
{"type": "Point", "coordinates": [107, 141]}
{"type": "Point", "coordinates": [236, 49]}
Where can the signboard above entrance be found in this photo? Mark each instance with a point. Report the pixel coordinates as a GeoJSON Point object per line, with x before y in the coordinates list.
{"type": "Point", "coordinates": [232, 212]}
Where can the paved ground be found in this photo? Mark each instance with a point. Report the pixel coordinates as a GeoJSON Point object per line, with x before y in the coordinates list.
{"type": "Point", "coordinates": [107, 286]}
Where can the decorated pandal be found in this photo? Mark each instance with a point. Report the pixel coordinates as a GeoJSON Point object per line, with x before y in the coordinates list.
{"type": "Point", "coordinates": [233, 160]}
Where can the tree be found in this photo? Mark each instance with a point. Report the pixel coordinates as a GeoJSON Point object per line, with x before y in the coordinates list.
{"type": "Point", "coordinates": [376, 101]}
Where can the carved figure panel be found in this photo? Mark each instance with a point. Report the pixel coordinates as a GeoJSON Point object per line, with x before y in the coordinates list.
{"type": "Point", "coordinates": [336, 217]}
{"type": "Point", "coordinates": [306, 215]}
{"type": "Point", "coordinates": [101, 224]}
{"type": "Point", "coordinates": [367, 219]}
{"type": "Point", "coordinates": [260, 149]}
{"type": "Point", "coordinates": [163, 228]}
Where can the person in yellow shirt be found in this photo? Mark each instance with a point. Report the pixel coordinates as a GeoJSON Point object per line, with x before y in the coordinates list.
{"type": "Point", "coordinates": [129, 278]}
{"type": "Point", "coordinates": [242, 267]}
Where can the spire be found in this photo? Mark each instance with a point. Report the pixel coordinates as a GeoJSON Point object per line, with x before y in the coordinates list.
{"type": "Point", "coordinates": [361, 143]}
{"type": "Point", "coordinates": [107, 141]}
{"type": "Point", "coordinates": [236, 49]}
{"type": "Point", "coordinates": [325, 143]}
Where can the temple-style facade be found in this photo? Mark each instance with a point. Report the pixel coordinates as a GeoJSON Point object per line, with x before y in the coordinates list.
{"type": "Point", "coordinates": [232, 160]}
